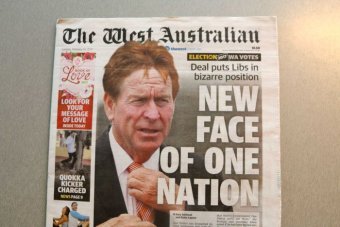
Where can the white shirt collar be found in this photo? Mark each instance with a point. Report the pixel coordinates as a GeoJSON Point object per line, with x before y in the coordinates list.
{"type": "Point", "coordinates": [123, 160]}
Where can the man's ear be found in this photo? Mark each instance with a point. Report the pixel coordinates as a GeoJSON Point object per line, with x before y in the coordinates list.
{"type": "Point", "coordinates": [109, 106]}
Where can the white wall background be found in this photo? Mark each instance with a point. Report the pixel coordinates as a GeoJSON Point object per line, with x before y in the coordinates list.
{"type": "Point", "coordinates": [309, 50]}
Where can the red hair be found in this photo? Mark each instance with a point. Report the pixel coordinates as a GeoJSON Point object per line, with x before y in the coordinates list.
{"type": "Point", "coordinates": [134, 56]}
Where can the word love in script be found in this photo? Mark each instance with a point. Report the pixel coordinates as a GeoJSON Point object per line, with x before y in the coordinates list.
{"type": "Point", "coordinates": [74, 75]}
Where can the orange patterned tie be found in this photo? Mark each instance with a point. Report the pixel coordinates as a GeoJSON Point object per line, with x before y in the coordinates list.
{"type": "Point", "coordinates": [143, 211]}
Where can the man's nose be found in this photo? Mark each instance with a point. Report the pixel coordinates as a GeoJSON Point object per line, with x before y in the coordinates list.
{"type": "Point", "coordinates": [152, 111]}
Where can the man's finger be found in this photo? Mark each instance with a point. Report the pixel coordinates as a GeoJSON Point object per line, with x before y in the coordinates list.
{"type": "Point", "coordinates": [135, 183]}
{"type": "Point", "coordinates": [138, 194]}
{"type": "Point", "coordinates": [142, 174]}
{"type": "Point", "coordinates": [129, 217]}
{"type": "Point", "coordinates": [145, 224]}
{"type": "Point", "coordinates": [122, 220]}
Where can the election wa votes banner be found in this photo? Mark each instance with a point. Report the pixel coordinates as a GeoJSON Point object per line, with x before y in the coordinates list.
{"type": "Point", "coordinates": [218, 91]}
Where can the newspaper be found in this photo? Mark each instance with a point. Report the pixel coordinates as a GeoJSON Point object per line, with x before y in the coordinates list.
{"type": "Point", "coordinates": [220, 163]}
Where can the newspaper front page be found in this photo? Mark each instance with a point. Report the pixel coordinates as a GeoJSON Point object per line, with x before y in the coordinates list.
{"type": "Point", "coordinates": [193, 101]}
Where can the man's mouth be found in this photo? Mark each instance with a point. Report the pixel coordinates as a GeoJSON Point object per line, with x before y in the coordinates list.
{"type": "Point", "coordinates": [148, 130]}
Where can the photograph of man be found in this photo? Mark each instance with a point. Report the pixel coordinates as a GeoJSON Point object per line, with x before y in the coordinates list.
{"type": "Point", "coordinates": [141, 84]}
{"type": "Point", "coordinates": [76, 219]}
{"type": "Point", "coordinates": [70, 143]}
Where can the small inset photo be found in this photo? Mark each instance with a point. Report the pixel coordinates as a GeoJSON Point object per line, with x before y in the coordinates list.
{"type": "Point", "coordinates": [70, 217]}
{"type": "Point", "coordinates": [72, 165]}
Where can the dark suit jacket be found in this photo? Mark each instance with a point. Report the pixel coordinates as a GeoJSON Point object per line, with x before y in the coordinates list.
{"type": "Point", "coordinates": [108, 197]}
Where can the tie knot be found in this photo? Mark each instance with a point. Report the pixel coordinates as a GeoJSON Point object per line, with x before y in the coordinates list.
{"type": "Point", "coordinates": [133, 166]}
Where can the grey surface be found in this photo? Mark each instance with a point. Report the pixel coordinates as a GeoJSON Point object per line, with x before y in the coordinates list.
{"type": "Point", "coordinates": [309, 49]}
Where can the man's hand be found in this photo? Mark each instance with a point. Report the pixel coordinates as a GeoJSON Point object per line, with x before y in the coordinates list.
{"type": "Point", "coordinates": [126, 220]}
{"type": "Point", "coordinates": [142, 184]}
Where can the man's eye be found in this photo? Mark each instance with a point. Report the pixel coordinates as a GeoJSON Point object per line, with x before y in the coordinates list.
{"type": "Point", "coordinates": [138, 101]}
{"type": "Point", "coordinates": [162, 101]}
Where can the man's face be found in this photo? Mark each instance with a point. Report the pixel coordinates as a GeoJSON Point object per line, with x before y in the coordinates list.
{"type": "Point", "coordinates": [74, 206]}
{"type": "Point", "coordinates": [142, 114]}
